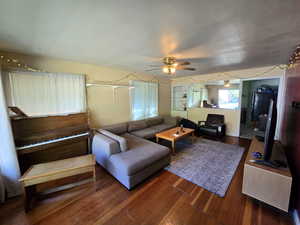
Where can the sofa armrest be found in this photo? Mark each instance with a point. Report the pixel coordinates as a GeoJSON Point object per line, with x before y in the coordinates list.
{"type": "Point", "coordinates": [103, 147]}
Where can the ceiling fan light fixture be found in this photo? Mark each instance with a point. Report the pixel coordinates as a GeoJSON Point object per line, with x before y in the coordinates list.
{"type": "Point", "coordinates": [165, 69]}
{"type": "Point", "coordinates": [172, 70]}
{"type": "Point", "coordinates": [169, 69]}
{"type": "Point", "coordinates": [226, 83]}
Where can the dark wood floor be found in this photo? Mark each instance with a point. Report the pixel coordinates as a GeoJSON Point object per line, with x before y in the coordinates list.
{"type": "Point", "coordinates": [164, 199]}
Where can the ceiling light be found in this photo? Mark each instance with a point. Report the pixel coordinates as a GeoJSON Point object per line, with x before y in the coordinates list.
{"type": "Point", "coordinates": [165, 69]}
{"type": "Point", "coordinates": [172, 70]}
{"type": "Point", "coordinates": [169, 69]}
{"type": "Point", "coordinates": [226, 83]}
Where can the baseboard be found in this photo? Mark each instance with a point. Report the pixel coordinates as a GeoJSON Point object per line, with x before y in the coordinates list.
{"type": "Point", "coordinates": [296, 217]}
{"type": "Point", "coordinates": [232, 135]}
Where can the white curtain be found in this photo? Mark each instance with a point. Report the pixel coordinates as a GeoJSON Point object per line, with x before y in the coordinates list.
{"type": "Point", "coordinates": [9, 166]}
{"type": "Point", "coordinates": [144, 100]}
{"type": "Point", "coordinates": [39, 94]}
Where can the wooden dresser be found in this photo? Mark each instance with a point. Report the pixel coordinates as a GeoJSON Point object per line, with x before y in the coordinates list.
{"type": "Point", "coordinates": [269, 185]}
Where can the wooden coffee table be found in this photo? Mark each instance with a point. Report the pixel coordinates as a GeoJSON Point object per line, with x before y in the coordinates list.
{"type": "Point", "coordinates": [45, 172]}
{"type": "Point", "coordinates": [171, 135]}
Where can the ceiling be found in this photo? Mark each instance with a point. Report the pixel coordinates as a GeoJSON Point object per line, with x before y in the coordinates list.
{"type": "Point", "coordinates": [215, 36]}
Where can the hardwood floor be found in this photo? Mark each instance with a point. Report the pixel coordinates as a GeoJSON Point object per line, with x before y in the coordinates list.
{"type": "Point", "coordinates": [164, 199]}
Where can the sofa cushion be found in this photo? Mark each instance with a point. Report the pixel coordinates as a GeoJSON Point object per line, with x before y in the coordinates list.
{"type": "Point", "coordinates": [136, 125]}
{"type": "Point", "coordinates": [171, 120]}
{"type": "Point", "coordinates": [145, 133]}
{"type": "Point", "coordinates": [119, 128]}
{"type": "Point", "coordinates": [142, 154]}
{"type": "Point", "coordinates": [154, 121]}
{"type": "Point", "coordinates": [121, 140]}
{"type": "Point", "coordinates": [162, 127]}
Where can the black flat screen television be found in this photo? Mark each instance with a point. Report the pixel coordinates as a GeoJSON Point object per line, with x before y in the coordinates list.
{"type": "Point", "coordinates": [270, 130]}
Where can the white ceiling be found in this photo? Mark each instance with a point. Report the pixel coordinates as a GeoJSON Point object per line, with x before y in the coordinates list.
{"type": "Point", "coordinates": [135, 34]}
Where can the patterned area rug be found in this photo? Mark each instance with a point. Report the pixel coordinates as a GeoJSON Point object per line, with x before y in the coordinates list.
{"type": "Point", "coordinates": [209, 164]}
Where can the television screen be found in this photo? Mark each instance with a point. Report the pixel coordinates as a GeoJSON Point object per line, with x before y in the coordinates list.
{"type": "Point", "coordinates": [270, 130]}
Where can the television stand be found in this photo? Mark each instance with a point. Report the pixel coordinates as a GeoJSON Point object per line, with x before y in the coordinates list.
{"type": "Point", "coordinates": [265, 163]}
{"type": "Point", "coordinates": [268, 184]}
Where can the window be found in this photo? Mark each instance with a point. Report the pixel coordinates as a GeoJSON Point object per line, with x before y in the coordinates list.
{"type": "Point", "coordinates": [144, 100]}
{"type": "Point", "coordinates": [229, 98]}
{"type": "Point", "coordinates": [39, 94]}
{"type": "Point", "coordinates": [196, 96]}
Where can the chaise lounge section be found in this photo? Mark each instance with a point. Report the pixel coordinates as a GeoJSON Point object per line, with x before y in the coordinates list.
{"type": "Point", "coordinates": [141, 158]}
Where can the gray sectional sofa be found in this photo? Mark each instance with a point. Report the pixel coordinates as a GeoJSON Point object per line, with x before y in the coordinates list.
{"type": "Point", "coordinates": [136, 159]}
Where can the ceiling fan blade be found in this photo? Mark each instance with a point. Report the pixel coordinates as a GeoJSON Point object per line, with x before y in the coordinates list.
{"type": "Point", "coordinates": [184, 63]}
{"type": "Point", "coordinates": [187, 68]}
{"type": "Point", "coordinates": [154, 65]}
{"type": "Point", "coordinates": [153, 69]}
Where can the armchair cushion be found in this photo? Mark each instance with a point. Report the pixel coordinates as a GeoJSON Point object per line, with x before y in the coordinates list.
{"type": "Point", "coordinates": [214, 119]}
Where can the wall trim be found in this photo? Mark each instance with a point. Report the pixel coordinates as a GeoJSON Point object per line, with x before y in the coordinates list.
{"type": "Point", "coordinates": [296, 217]}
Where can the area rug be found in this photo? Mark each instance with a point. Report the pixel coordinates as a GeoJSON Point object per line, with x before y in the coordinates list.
{"type": "Point", "coordinates": [209, 164]}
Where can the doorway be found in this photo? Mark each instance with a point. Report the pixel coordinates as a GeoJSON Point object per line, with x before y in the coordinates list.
{"type": "Point", "coordinates": [253, 115]}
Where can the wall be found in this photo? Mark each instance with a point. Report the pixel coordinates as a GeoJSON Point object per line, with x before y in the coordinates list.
{"type": "Point", "coordinates": [104, 108]}
{"type": "Point", "coordinates": [291, 130]}
{"type": "Point", "coordinates": [233, 115]}
{"type": "Point", "coordinates": [231, 118]}
{"type": "Point", "coordinates": [260, 72]}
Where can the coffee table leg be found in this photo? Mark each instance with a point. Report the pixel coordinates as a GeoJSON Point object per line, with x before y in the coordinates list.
{"type": "Point", "coordinates": [157, 139]}
{"type": "Point", "coordinates": [173, 147]}
{"type": "Point", "coordinates": [193, 137]}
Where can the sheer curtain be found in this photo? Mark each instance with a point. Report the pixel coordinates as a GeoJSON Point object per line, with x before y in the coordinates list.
{"type": "Point", "coordinates": [46, 93]}
{"type": "Point", "coordinates": [9, 166]}
{"type": "Point", "coordinates": [144, 100]}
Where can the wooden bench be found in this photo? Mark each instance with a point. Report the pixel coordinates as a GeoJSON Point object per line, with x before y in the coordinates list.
{"type": "Point", "coordinates": [45, 172]}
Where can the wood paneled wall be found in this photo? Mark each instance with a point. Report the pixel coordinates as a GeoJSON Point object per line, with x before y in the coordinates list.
{"type": "Point", "coordinates": [291, 130]}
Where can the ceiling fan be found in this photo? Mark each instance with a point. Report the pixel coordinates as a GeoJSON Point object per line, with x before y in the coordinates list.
{"type": "Point", "coordinates": [170, 65]}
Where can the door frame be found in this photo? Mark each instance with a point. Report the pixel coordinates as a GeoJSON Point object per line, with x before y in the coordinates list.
{"type": "Point", "coordinates": [280, 100]}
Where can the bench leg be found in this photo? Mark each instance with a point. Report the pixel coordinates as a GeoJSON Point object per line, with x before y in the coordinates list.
{"type": "Point", "coordinates": [29, 193]}
{"type": "Point", "coordinates": [94, 174]}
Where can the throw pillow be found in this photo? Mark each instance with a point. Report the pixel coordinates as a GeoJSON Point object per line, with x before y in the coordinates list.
{"type": "Point", "coordinates": [122, 141]}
